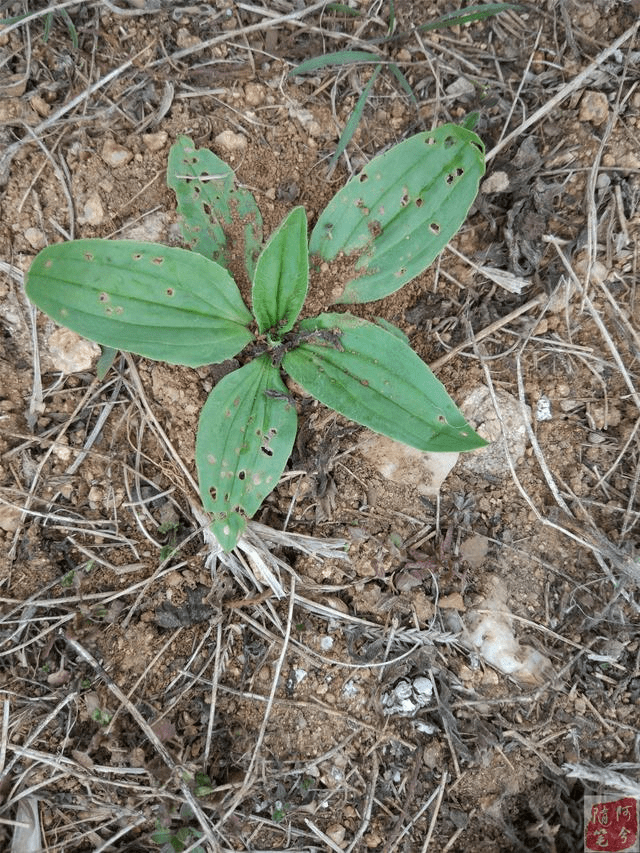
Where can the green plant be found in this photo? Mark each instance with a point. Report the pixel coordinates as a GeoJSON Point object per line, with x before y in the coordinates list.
{"type": "Point", "coordinates": [387, 224]}
{"type": "Point", "coordinates": [180, 838]}
{"type": "Point", "coordinates": [380, 60]}
{"type": "Point", "coordinates": [102, 717]}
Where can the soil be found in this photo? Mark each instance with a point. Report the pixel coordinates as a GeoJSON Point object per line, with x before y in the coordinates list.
{"type": "Point", "coordinates": [377, 668]}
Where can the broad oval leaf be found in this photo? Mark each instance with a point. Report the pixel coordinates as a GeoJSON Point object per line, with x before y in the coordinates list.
{"type": "Point", "coordinates": [218, 218]}
{"type": "Point", "coordinates": [394, 218]}
{"type": "Point", "coordinates": [282, 275]}
{"type": "Point", "coordinates": [164, 303]}
{"type": "Point", "coordinates": [247, 429]}
{"type": "Point", "coordinates": [371, 376]}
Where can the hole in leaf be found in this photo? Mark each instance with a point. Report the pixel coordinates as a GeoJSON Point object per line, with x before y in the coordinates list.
{"type": "Point", "coordinates": [266, 450]}
{"type": "Point", "coordinates": [459, 172]}
{"type": "Point", "coordinates": [450, 178]}
{"type": "Point", "coordinates": [449, 141]}
{"type": "Point", "coordinates": [430, 140]}
{"type": "Point", "coordinates": [419, 202]}
{"type": "Point", "coordinates": [226, 497]}
{"type": "Point", "coordinates": [375, 228]}
{"type": "Point", "coordinates": [213, 492]}
{"type": "Point", "coordinates": [363, 177]}
{"type": "Point", "coordinates": [207, 209]}
{"type": "Point", "coordinates": [104, 297]}
{"type": "Point", "coordinates": [136, 256]}
{"type": "Point", "coordinates": [242, 475]}
{"type": "Point", "coordinates": [404, 201]}
{"type": "Point", "coordinates": [434, 228]}
{"type": "Point", "coordinates": [442, 419]}
{"type": "Point", "coordinates": [157, 261]}
{"type": "Point", "coordinates": [170, 291]}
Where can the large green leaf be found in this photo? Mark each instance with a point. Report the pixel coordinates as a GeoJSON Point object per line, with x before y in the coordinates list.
{"type": "Point", "coordinates": [394, 218]}
{"type": "Point", "coordinates": [371, 376]}
{"type": "Point", "coordinates": [218, 218]}
{"type": "Point", "coordinates": [247, 429]}
{"type": "Point", "coordinates": [282, 275]}
{"type": "Point", "coordinates": [160, 302]}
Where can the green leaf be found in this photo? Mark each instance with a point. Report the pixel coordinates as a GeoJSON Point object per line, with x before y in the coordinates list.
{"type": "Point", "coordinates": [160, 302]}
{"type": "Point", "coordinates": [103, 365]}
{"type": "Point", "coordinates": [465, 16]}
{"type": "Point", "coordinates": [372, 377]}
{"type": "Point", "coordinates": [393, 330]}
{"type": "Point", "coordinates": [340, 57]}
{"type": "Point", "coordinates": [247, 429]}
{"type": "Point", "coordinates": [219, 218]}
{"type": "Point", "coordinates": [395, 217]}
{"type": "Point", "coordinates": [282, 275]}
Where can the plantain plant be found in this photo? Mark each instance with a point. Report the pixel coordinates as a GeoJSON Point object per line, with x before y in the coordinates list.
{"type": "Point", "coordinates": [182, 306]}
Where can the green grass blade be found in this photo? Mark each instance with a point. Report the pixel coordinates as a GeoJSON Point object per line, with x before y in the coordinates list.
{"type": "Point", "coordinates": [374, 378]}
{"type": "Point", "coordinates": [160, 302]}
{"type": "Point", "coordinates": [343, 9]}
{"type": "Point", "coordinates": [394, 218]}
{"type": "Point", "coordinates": [282, 276]}
{"type": "Point", "coordinates": [397, 73]}
{"type": "Point", "coordinates": [354, 118]}
{"type": "Point", "coordinates": [246, 432]}
{"type": "Point", "coordinates": [212, 206]}
{"type": "Point", "coordinates": [340, 57]}
{"type": "Point", "coordinates": [465, 16]}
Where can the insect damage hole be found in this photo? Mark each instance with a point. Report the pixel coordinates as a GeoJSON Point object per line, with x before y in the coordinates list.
{"type": "Point", "coordinates": [104, 297]}
{"type": "Point", "coordinates": [266, 439]}
{"type": "Point", "coordinates": [434, 228]}
{"type": "Point", "coordinates": [213, 493]}
{"type": "Point", "coordinates": [170, 291]}
{"type": "Point", "coordinates": [157, 261]}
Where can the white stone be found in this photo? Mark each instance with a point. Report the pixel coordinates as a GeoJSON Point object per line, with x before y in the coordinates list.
{"type": "Point", "coordinates": [230, 141]}
{"type": "Point", "coordinates": [9, 518]}
{"type": "Point", "coordinates": [92, 212]}
{"type": "Point", "coordinates": [36, 238]}
{"type": "Point", "coordinates": [70, 353]}
{"type": "Point", "coordinates": [115, 155]}
{"type": "Point", "coordinates": [479, 410]}
{"type": "Point", "coordinates": [403, 464]}
{"type": "Point", "coordinates": [155, 141]}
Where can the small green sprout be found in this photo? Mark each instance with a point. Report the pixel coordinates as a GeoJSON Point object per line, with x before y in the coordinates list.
{"type": "Point", "coordinates": [388, 222]}
{"type": "Point", "coordinates": [101, 717]}
{"type": "Point", "coordinates": [67, 580]}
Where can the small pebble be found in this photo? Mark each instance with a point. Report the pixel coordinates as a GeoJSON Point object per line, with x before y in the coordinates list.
{"type": "Point", "coordinates": [594, 108]}
{"type": "Point", "coordinates": [115, 155]}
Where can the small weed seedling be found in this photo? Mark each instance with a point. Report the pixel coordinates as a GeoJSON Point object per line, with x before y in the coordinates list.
{"type": "Point", "coordinates": [183, 307]}
{"type": "Point", "coordinates": [351, 58]}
